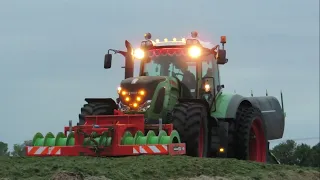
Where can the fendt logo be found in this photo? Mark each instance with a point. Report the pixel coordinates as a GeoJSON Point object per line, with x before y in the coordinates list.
{"type": "Point", "coordinates": [132, 93]}
{"type": "Point", "coordinates": [178, 148]}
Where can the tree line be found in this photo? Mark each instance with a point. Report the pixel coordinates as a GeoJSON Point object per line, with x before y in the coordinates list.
{"type": "Point", "coordinates": [292, 153]}
{"type": "Point", "coordinates": [19, 150]}
{"type": "Point", "coordinates": [288, 152]}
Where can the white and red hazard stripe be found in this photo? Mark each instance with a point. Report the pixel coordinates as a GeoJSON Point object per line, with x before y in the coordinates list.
{"type": "Point", "coordinates": [150, 149]}
{"type": "Point", "coordinates": [43, 150]}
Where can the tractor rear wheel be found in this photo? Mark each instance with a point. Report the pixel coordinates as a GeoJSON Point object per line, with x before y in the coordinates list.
{"type": "Point", "coordinates": [250, 142]}
{"type": "Point", "coordinates": [191, 121]}
{"type": "Point", "coordinates": [90, 109]}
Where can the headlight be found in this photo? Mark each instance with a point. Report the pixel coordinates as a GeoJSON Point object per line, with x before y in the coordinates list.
{"type": "Point", "coordinates": [138, 53]}
{"type": "Point", "coordinates": [207, 87]}
{"type": "Point", "coordinates": [142, 92]}
{"type": "Point", "coordinates": [194, 51]}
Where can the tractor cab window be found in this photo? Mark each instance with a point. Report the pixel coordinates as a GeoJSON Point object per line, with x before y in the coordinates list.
{"type": "Point", "coordinates": [186, 74]}
{"type": "Point", "coordinates": [152, 69]}
{"type": "Point", "coordinates": [175, 66]}
{"type": "Point", "coordinates": [207, 70]}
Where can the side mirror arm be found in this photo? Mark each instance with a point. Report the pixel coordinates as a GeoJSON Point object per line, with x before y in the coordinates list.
{"type": "Point", "coordinates": [123, 53]}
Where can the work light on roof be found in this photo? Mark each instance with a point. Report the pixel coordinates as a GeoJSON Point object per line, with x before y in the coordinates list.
{"type": "Point", "coordinates": [147, 36]}
{"type": "Point", "coordinates": [148, 42]}
{"type": "Point", "coordinates": [193, 40]}
{"type": "Point", "coordinates": [194, 34]}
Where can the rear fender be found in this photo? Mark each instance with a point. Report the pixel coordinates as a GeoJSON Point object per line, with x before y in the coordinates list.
{"type": "Point", "coordinates": [109, 101]}
{"type": "Point", "coordinates": [272, 114]}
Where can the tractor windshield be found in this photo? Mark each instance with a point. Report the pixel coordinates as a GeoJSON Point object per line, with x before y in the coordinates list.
{"type": "Point", "coordinates": [175, 63]}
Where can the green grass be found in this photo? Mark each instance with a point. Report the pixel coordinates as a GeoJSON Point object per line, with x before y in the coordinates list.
{"type": "Point", "coordinates": [145, 167]}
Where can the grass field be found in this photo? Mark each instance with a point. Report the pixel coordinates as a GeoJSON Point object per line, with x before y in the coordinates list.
{"type": "Point", "coordinates": [146, 167]}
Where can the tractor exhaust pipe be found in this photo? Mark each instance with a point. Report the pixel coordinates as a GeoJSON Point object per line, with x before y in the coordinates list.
{"type": "Point", "coordinates": [129, 63]}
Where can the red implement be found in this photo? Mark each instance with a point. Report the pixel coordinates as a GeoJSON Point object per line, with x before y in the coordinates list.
{"type": "Point", "coordinates": [116, 126]}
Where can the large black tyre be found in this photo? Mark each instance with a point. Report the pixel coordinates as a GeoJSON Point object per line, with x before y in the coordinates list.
{"type": "Point", "coordinates": [95, 109]}
{"type": "Point", "coordinates": [250, 135]}
{"type": "Point", "coordinates": [191, 121]}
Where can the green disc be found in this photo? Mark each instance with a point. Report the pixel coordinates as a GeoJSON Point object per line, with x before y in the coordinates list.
{"type": "Point", "coordinates": [152, 138]}
{"type": "Point", "coordinates": [61, 139]}
{"type": "Point", "coordinates": [70, 139]}
{"type": "Point", "coordinates": [174, 137]}
{"type": "Point", "coordinates": [162, 137]}
{"type": "Point", "coordinates": [127, 139]}
{"type": "Point", "coordinates": [38, 139]}
{"type": "Point", "coordinates": [88, 142]}
{"type": "Point", "coordinates": [139, 138]}
{"type": "Point", "coordinates": [104, 139]}
{"type": "Point", "coordinates": [49, 139]}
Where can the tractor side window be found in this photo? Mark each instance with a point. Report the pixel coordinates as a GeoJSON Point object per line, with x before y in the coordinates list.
{"type": "Point", "coordinates": [207, 69]}
{"type": "Point", "coordinates": [152, 69]}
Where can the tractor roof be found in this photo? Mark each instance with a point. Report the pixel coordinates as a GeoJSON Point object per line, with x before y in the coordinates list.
{"type": "Point", "coordinates": [148, 42]}
{"type": "Point", "coordinates": [181, 42]}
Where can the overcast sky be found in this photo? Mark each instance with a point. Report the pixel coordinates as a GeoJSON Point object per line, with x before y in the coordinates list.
{"type": "Point", "coordinates": [51, 54]}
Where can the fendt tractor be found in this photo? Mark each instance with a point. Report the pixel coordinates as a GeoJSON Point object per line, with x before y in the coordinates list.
{"type": "Point", "coordinates": [175, 106]}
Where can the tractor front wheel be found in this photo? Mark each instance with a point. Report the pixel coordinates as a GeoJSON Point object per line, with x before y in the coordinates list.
{"type": "Point", "coordinates": [91, 109]}
{"type": "Point", "coordinates": [251, 143]}
{"type": "Point", "coordinates": [191, 121]}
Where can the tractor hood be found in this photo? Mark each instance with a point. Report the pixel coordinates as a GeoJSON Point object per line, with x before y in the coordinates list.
{"type": "Point", "coordinates": [142, 82]}
{"type": "Point", "coordinates": [132, 86]}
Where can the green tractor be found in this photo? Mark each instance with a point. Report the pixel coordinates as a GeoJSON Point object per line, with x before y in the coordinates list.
{"type": "Point", "coordinates": [179, 84]}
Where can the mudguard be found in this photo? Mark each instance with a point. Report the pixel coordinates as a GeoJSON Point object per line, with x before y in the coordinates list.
{"type": "Point", "coordinates": [272, 114]}
{"type": "Point", "coordinates": [109, 101]}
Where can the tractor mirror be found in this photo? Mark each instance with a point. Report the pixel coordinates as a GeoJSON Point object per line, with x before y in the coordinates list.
{"type": "Point", "coordinates": [107, 61]}
{"type": "Point", "coordinates": [221, 56]}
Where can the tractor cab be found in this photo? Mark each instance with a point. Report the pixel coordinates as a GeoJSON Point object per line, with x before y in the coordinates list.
{"type": "Point", "coordinates": [189, 64]}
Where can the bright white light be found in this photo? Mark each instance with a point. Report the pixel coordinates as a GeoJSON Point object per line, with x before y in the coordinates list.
{"type": "Point", "coordinates": [207, 87]}
{"type": "Point", "coordinates": [138, 53]}
{"type": "Point", "coordinates": [194, 51]}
